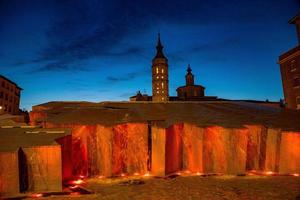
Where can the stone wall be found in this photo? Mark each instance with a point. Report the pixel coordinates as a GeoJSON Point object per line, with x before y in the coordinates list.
{"type": "Point", "coordinates": [125, 149]}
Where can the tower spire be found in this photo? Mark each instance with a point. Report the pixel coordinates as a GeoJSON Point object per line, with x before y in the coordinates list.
{"type": "Point", "coordinates": [159, 48]}
{"type": "Point", "coordinates": [189, 69]}
{"type": "Point", "coordinates": [189, 77]}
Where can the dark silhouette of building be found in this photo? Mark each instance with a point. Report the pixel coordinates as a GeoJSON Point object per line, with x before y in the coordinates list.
{"type": "Point", "coordinates": [290, 71]}
{"type": "Point", "coordinates": [10, 94]}
{"type": "Point", "coordinates": [160, 81]}
{"type": "Point", "coordinates": [140, 97]}
{"type": "Point", "coordinates": [190, 91]}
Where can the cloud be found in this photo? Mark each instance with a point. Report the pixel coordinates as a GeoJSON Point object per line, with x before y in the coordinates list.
{"type": "Point", "coordinates": [127, 94]}
{"type": "Point", "coordinates": [82, 30]}
{"type": "Point", "coordinates": [59, 66]}
{"type": "Point", "coordinates": [127, 77]}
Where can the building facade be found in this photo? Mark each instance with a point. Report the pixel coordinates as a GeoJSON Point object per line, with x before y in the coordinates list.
{"type": "Point", "coordinates": [10, 94]}
{"type": "Point", "coordinates": [290, 71]}
{"type": "Point", "coordinates": [190, 91]}
{"type": "Point", "coordinates": [160, 79]}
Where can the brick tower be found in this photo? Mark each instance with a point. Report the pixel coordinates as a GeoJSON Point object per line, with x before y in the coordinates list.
{"type": "Point", "coordinates": [290, 71]}
{"type": "Point", "coordinates": [160, 81]}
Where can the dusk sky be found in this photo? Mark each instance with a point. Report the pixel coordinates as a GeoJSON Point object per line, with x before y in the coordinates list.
{"type": "Point", "coordinates": [96, 50]}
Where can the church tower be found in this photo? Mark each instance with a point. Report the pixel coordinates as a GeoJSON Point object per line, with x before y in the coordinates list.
{"type": "Point", "coordinates": [160, 81]}
{"type": "Point", "coordinates": [189, 77]}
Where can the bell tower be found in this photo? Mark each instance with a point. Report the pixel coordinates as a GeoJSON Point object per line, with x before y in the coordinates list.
{"type": "Point", "coordinates": [160, 79]}
{"type": "Point", "coordinates": [189, 77]}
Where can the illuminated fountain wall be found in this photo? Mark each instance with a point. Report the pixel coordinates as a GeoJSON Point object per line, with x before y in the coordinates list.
{"type": "Point", "coordinates": [135, 148]}
{"type": "Point", "coordinates": [106, 151]}
{"type": "Point", "coordinates": [221, 150]}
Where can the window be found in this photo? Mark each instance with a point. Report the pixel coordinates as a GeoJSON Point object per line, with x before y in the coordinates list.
{"type": "Point", "coordinates": [296, 82]}
{"type": "Point", "coordinates": [157, 92]}
{"type": "Point", "coordinates": [162, 77]}
{"type": "Point", "coordinates": [162, 99]}
{"type": "Point", "coordinates": [293, 66]}
{"type": "Point", "coordinates": [162, 85]}
{"type": "Point", "coordinates": [6, 96]}
{"type": "Point", "coordinates": [157, 77]}
{"type": "Point", "coordinates": [162, 71]}
{"type": "Point", "coordinates": [298, 99]}
{"type": "Point", "coordinates": [1, 95]}
{"type": "Point", "coordinates": [157, 70]}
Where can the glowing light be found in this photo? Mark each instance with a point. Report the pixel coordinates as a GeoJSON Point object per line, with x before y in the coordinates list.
{"type": "Point", "coordinates": [73, 187]}
{"type": "Point", "coordinates": [295, 175]}
{"type": "Point", "coordinates": [269, 173]}
{"type": "Point", "coordinates": [136, 174]}
{"type": "Point", "coordinates": [81, 176]}
{"type": "Point", "coordinates": [187, 172]}
{"type": "Point", "coordinates": [0, 107]}
{"type": "Point", "coordinates": [75, 193]}
{"type": "Point", "coordinates": [178, 173]}
{"type": "Point", "coordinates": [123, 175]}
{"type": "Point", "coordinates": [198, 174]}
{"type": "Point", "coordinates": [36, 195]}
{"type": "Point", "coordinates": [101, 177]}
{"type": "Point", "coordinates": [77, 182]}
{"type": "Point", "coordinates": [147, 174]}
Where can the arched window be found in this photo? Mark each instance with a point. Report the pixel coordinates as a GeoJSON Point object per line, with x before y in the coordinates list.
{"type": "Point", "coordinates": [162, 71]}
{"type": "Point", "coordinates": [162, 85]}
{"type": "Point", "coordinates": [157, 70]}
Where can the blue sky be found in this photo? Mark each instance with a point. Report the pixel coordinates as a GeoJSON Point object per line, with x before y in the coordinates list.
{"type": "Point", "coordinates": [100, 50]}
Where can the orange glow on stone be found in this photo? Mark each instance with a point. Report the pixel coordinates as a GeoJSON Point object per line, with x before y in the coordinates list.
{"type": "Point", "coordinates": [147, 174]}
{"type": "Point", "coordinates": [73, 187]}
{"type": "Point", "coordinates": [74, 193]}
{"type": "Point", "coordinates": [77, 182]}
{"type": "Point", "coordinates": [36, 195]}
{"type": "Point", "coordinates": [295, 175]}
{"type": "Point", "coordinates": [136, 174]}
{"type": "Point", "coordinates": [101, 177]}
{"type": "Point", "coordinates": [269, 173]}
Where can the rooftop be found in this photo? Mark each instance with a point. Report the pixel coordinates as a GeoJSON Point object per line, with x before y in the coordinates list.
{"type": "Point", "coordinates": [289, 53]}
{"type": "Point", "coordinates": [11, 139]}
{"type": "Point", "coordinates": [231, 114]}
{"type": "Point", "coordinates": [294, 19]}
{"type": "Point", "coordinates": [1, 76]}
